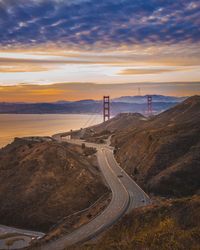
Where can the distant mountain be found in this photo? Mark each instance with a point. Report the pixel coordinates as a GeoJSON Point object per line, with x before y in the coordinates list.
{"type": "Point", "coordinates": [143, 99]}
{"type": "Point", "coordinates": [118, 105]}
{"type": "Point", "coordinates": [87, 101]}
{"type": "Point", "coordinates": [62, 102]}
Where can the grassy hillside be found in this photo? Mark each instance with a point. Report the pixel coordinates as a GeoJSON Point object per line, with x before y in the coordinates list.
{"type": "Point", "coordinates": [41, 182]}
{"type": "Point", "coordinates": [119, 123]}
{"type": "Point", "coordinates": [169, 225]}
{"type": "Point", "coordinates": [162, 154]}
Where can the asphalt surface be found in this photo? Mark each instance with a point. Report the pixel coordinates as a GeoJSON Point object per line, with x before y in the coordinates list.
{"type": "Point", "coordinates": [6, 229]}
{"type": "Point", "coordinates": [126, 195]}
{"type": "Point", "coordinates": [24, 234]}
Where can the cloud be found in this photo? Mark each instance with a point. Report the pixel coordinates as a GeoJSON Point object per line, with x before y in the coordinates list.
{"type": "Point", "coordinates": [45, 61]}
{"type": "Point", "coordinates": [14, 68]}
{"type": "Point", "coordinates": [146, 71]}
{"type": "Point", "coordinates": [88, 23]}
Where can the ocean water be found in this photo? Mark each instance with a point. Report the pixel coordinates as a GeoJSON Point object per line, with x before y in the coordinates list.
{"type": "Point", "coordinates": [17, 125]}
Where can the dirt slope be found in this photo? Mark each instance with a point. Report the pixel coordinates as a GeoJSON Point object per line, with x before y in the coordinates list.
{"type": "Point", "coordinates": [41, 182]}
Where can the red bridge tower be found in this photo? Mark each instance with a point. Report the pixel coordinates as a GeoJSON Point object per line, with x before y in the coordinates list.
{"type": "Point", "coordinates": [106, 108]}
{"type": "Point", "coordinates": [149, 105]}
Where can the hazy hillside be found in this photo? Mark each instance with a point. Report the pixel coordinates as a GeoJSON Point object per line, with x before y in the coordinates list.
{"type": "Point", "coordinates": [41, 182]}
{"type": "Point", "coordinates": [123, 121]}
{"type": "Point", "coordinates": [120, 121]}
{"type": "Point", "coordinates": [162, 155]}
{"type": "Point", "coordinates": [169, 225]}
{"type": "Point", "coordinates": [143, 99]}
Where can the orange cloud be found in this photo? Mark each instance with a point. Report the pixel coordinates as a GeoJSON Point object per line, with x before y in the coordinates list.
{"type": "Point", "coordinates": [14, 68]}
{"type": "Point", "coordinates": [145, 71]}
{"type": "Point", "coordinates": [46, 92]}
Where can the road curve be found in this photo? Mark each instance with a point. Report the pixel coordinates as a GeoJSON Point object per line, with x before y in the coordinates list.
{"type": "Point", "coordinates": [126, 195]}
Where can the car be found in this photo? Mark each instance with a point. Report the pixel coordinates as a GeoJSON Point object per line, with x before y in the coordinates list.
{"type": "Point", "coordinates": [142, 200]}
{"type": "Point", "coordinates": [119, 175]}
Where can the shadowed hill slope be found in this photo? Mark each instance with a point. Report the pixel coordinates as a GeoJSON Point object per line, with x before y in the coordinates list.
{"type": "Point", "coordinates": [41, 182]}
{"type": "Point", "coordinates": [162, 154]}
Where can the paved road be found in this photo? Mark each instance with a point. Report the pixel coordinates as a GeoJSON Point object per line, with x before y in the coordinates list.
{"type": "Point", "coordinates": [126, 195]}
{"type": "Point", "coordinates": [6, 229]}
{"type": "Point", "coordinates": [24, 234]}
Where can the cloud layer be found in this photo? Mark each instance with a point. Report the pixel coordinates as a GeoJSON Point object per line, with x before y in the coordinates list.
{"type": "Point", "coordinates": [85, 23]}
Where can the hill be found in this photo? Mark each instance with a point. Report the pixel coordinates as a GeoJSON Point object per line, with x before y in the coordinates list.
{"type": "Point", "coordinates": [120, 121]}
{"type": "Point", "coordinates": [167, 225]}
{"type": "Point", "coordinates": [123, 121]}
{"type": "Point", "coordinates": [162, 154]}
{"type": "Point", "coordinates": [42, 182]}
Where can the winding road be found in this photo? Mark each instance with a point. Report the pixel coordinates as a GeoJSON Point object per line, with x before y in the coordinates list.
{"type": "Point", "coordinates": [126, 195]}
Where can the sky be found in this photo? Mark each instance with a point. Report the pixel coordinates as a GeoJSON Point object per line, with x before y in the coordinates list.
{"type": "Point", "coordinates": [82, 49]}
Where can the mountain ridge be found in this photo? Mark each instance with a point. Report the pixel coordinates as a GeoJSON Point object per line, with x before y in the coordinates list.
{"type": "Point", "coordinates": [89, 106]}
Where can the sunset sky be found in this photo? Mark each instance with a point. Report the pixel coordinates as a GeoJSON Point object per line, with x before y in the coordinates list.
{"type": "Point", "coordinates": [80, 49]}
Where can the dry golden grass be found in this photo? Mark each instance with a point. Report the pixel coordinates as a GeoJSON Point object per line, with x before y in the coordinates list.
{"type": "Point", "coordinates": [171, 225]}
